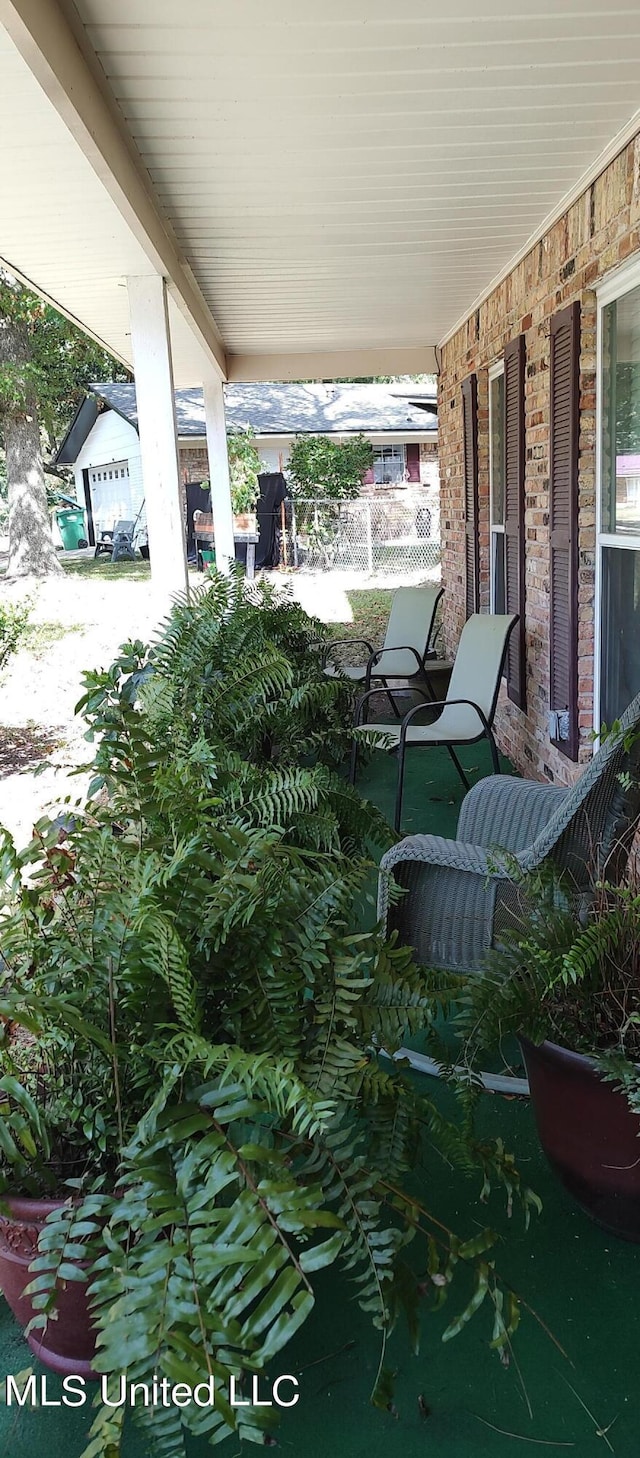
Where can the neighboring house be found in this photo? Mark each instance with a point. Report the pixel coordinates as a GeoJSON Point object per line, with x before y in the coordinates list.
{"type": "Point", "coordinates": [103, 447]}
{"type": "Point", "coordinates": [539, 411]}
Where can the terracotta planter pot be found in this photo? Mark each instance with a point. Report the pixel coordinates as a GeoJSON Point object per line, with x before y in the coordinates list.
{"type": "Point", "coordinates": [589, 1135]}
{"type": "Point", "coordinates": [68, 1344]}
{"type": "Point", "coordinates": [245, 521]}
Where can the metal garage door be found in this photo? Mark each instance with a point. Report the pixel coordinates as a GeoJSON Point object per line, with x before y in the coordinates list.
{"type": "Point", "coordinates": [113, 496]}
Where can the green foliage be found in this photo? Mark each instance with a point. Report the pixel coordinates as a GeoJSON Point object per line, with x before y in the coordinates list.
{"type": "Point", "coordinates": [244, 469]}
{"type": "Point", "coordinates": [327, 470]}
{"type": "Point", "coordinates": [14, 625]}
{"type": "Point", "coordinates": [574, 979]}
{"type": "Point", "coordinates": [190, 1023]}
{"type": "Point", "coordinates": [62, 360]}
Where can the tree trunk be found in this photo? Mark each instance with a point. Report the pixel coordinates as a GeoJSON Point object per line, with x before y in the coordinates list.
{"type": "Point", "coordinates": [31, 549]}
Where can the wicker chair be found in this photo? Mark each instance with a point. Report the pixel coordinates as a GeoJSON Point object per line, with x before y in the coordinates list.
{"type": "Point", "coordinates": [460, 895]}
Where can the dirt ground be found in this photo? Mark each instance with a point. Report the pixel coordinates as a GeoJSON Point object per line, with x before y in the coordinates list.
{"type": "Point", "coordinates": [78, 623]}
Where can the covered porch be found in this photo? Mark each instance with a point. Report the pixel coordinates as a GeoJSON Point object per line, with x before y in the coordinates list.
{"type": "Point", "coordinates": [569, 1383]}
{"type": "Point", "coordinates": [248, 198]}
{"type": "Point", "coordinates": [266, 193]}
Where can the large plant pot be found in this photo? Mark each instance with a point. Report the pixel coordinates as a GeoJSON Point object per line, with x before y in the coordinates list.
{"type": "Point", "coordinates": [66, 1345]}
{"type": "Point", "coordinates": [245, 521]}
{"type": "Point", "coordinates": [589, 1135]}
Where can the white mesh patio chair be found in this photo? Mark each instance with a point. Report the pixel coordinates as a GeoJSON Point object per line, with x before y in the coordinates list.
{"type": "Point", "coordinates": [464, 716]}
{"type": "Point", "coordinates": [407, 642]}
{"type": "Point", "coordinates": [461, 895]}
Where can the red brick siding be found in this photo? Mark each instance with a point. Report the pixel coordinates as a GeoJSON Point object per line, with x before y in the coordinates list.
{"type": "Point", "coordinates": [598, 232]}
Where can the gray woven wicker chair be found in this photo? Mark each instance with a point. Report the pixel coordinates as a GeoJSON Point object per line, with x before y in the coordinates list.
{"type": "Point", "coordinates": [462, 894]}
{"type": "Point", "coordinates": [407, 642]}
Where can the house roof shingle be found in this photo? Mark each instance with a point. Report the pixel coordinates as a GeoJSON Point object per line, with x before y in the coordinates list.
{"type": "Point", "coordinates": [277, 409]}
{"type": "Point", "coordinates": [295, 409]}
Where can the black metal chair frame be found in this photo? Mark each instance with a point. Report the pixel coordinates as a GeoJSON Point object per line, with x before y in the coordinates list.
{"type": "Point", "coordinates": [375, 654]}
{"type": "Point", "coordinates": [430, 702]}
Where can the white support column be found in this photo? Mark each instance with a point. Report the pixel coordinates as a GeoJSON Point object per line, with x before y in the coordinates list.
{"type": "Point", "coordinates": [151, 343]}
{"type": "Point", "coordinates": [219, 472]}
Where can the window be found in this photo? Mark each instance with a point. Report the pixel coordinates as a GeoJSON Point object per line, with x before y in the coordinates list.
{"type": "Point", "coordinates": [388, 464]}
{"type": "Point", "coordinates": [618, 642]}
{"type": "Point", "coordinates": [496, 487]}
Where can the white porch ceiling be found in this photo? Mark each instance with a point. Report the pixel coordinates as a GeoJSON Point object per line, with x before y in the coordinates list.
{"type": "Point", "coordinates": [345, 177]}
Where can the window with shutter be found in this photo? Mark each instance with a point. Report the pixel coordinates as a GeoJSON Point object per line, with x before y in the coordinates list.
{"type": "Point", "coordinates": [470, 434]}
{"type": "Point", "coordinates": [563, 529]}
{"type": "Point", "coordinates": [514, 562]}
{"type": "Point", "coordinates": [412, 451]}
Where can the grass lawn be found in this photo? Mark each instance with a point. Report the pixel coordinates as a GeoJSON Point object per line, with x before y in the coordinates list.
{"type": "Point", "coordinates": [39, 637]}
{"type": "Point", "coordinates": [102, 569]}
{"type": "Point", "coordinates": [370, 608]}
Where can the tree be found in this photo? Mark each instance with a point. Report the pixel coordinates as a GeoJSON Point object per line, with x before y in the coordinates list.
{"type": "Point", "coordinates": [45, 367]}
{"type": "Point", "coordinates": [328, 470]}
{"type": "Point", "coordinates": [31, 549]}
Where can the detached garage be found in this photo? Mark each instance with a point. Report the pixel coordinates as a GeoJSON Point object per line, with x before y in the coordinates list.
{"type": "Point", "coordinates": [104, 450]}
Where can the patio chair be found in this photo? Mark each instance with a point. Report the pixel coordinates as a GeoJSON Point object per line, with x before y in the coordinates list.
{"type": "Point", "coordinates": [118, 543]}
{"type": "Point", "coordinates": [407, 642]}
{"type": "Point", "coordinates": [462, 895]}
{"type": "Point", "coordinates": [464, 716]}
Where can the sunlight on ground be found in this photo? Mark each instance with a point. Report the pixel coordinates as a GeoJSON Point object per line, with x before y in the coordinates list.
{"type": "Point", "coordinates": [327, 595]}
{"type": "Point", "coordinates": [78, 622]}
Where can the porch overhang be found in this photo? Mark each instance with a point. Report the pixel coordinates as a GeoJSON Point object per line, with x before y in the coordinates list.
{"type": "Point", "coordinates": [324, 193]}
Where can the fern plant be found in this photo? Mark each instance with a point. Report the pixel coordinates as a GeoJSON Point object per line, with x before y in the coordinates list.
{"type": "Point", "coordinates": [190, 1022]}
{"type": "Point", "coordinates": [571, 978]}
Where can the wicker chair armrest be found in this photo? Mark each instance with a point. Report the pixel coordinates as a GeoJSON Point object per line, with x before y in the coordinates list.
{"type": "Point", "coordinates": [434, 850]}
{"type": "Point", "coordinates": [447, 911]}
{"type": "Point", "coordinates": [507, 812]}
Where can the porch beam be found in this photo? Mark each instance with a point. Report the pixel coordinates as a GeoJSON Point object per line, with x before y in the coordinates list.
{"type": "Point", "coordinates": [67, 69]}
{"type": "Point", "coordinates": [333, 364]}
{"type": "Point", "coordinates": [157, 428]}
{"type": "Point", "coordinates": [219, 472]}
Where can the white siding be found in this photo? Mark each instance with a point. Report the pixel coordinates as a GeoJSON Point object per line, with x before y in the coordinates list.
{"type": "Point", "coordinates": [111, 440]}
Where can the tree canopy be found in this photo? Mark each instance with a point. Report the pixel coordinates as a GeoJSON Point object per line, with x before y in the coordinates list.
{"type": "Point", "coordinates": [46, 364]}
{"type": "Point", "coordinates": [63, 361]}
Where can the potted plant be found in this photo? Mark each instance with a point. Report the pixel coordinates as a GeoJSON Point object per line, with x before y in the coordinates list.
{"type": "Point", "coordinates": [567, 985]}
{"type": "Point", "coordinates": [188, 1021]}
{"type": "Point", "coordinates": [244, 469]}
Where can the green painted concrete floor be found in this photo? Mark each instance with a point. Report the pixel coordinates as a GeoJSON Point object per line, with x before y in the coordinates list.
{"type": "Point", "coordinates": [583, 1283]}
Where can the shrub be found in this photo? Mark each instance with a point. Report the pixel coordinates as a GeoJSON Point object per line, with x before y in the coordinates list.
{"type": "Point", "coordinates": [14, 623]}
{"type": "Point", "coordinates": [244, 469]}
{"type": "Point", "coordinates": [328, 470]}
{"type": "Point", "coordinates": [203, 1079]}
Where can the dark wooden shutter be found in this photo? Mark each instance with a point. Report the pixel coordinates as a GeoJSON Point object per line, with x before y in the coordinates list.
{"type": "Point", "coordinates": [412, 457]}
{"type": "Point", "coordinates": [563, 521]}
{"type": "Point", "coordinates": [514, 517]}
{"type": "Point", "coordinates": [470, 434]}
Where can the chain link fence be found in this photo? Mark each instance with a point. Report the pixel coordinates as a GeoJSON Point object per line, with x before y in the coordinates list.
{"type": "Point", "coordinates": [397, 533]}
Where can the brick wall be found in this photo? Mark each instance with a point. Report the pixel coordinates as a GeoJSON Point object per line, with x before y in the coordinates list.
{"type": "Point", "coordinates": [429, 471]}
{"type": "Point", "coordinates": [194, 463]}
{"type": "Point", "coordinates": [194, 466]}
{"type": "Point", "coordinates": [597, 233]}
